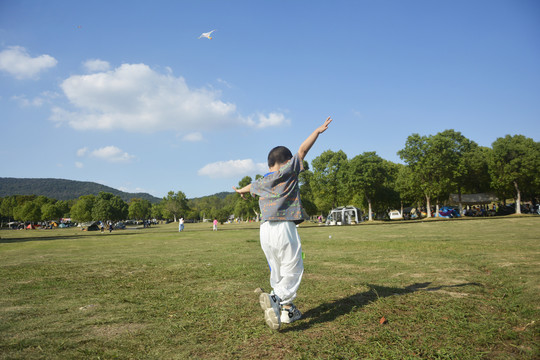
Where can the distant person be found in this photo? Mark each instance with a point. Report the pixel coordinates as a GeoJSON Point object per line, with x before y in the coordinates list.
{"type": "Point", "coordinates": [181, 224]}
{"type": "Point", "coordinates": [281, 208]}
{"type": "Point", "coordinates": [214, 228]}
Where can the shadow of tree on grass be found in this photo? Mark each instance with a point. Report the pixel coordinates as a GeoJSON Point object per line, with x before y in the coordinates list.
{"type": "Point", "coordinates": [330, 311]}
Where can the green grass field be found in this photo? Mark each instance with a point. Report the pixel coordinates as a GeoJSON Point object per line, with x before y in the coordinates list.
{"type": "Point", "coordinates": [462, 289]}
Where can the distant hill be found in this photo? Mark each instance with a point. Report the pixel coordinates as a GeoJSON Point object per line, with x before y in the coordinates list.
{"type": "Point", "coordinates": [61, 189]}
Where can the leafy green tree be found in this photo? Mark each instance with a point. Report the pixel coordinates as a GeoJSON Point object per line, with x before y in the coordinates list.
{"type": "Point", "coordinates": [306, 192]}
{"type": "Point", "coordinates": [81, 211]}
{"type": "Point", "coordinates": [514, 166]}
{"type": "Point", "coordinates": [329, 175]}
{"type": "Point", "coordinates": [64, 207]}
{"type": "Point", "coordinates": [248, 206]}
{"type": "Point", "coordinates": [139, 209]}
{"type": "Point", "coordinates": [436, 163]}
{"type": "Point", "coordinates": [175, 204]}
{"type": "Point", "coordinates": [109, 207]}
{"type": "Point", "coordinates": [8, 206]}
{"type": "Point", "coordinates": [29, 211]}
{"type": "Point", "coordinates": [50, 212]}
{"type": "Point", "coordinates": [416, 154]}
{"type": "Point", "coordinates": [477, 178]}
{"type": "Point", "coordinates": [366, 175]}
{"type": "Point", "coordinates": [407, 186]}
{"type": "Point", "coordinates": [387, 197]}
{"type": "Point", "coordinates": [157, 211]}
{"type": "Point", "coordinates": [42, 200]}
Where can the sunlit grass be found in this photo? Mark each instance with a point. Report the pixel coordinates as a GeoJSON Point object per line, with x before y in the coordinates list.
{"type": "Point", "coordinates": [449, 289]}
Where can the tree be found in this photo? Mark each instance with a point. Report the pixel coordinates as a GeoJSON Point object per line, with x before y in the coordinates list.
{"type": "Point", "coordinates": [64, 207]}
{"type": "Point", "coordinates": [8, 205]}
{"type": "Point", "coordinates": [514, 166]}
{"type": "Point", "coordinates": [50, 212]}
{"type": "Point", "coordinates": [415, 156]}
{"type": "Point", "coordinates": [29, 211]}
{"type": "Point", "coordinates": [329, 175]}
{"type": "Point", "coordinates": [139, 209]}
{"type": "Point", "coordinates": [157, 211]}
{"type": "Point", "coordinates": [109, 207]}
{"type": "Point", "coordinates": [407, 187]}
{"type": "Point", "coordinates": [81, 211]}
{"type": "Point", "coordinates": [477, 178]}
{"type": "Point", "coordinates": [436, 163]}
{"type": "Point", "coordinates": [387, 196]}
{"type": "Point", "coordinates": [306, 192]}
{"type": "Point", "coordinates": [175, 203]}
{"type": "Point", "coordinates": [248, 206]}
{"type": "Point", "coordinates": [366, 175]}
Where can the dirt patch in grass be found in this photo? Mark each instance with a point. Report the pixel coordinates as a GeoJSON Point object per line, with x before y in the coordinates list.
{"type": "Point", "coordinates": [115, 330]}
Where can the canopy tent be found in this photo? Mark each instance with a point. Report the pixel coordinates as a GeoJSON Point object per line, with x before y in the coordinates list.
{"type": "Point", "coordinates": [90, 226]}
{"type": "Point", "coordinates": [344, 215]}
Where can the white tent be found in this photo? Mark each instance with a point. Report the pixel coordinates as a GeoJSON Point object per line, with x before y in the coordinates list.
{"type": "Point", "coordinates": [344, 215]}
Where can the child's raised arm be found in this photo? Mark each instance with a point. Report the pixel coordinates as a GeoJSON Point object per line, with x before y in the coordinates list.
{"type": "Point", "coordinates": [308, 143]}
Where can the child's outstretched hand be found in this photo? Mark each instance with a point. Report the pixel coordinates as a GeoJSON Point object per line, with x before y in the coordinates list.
{"type": "Point", "coordinates": [238, 192]}
{"type": "Point", "coordinates": [243, 190]}
{"type": "Point", "coordinates": [324, 126]}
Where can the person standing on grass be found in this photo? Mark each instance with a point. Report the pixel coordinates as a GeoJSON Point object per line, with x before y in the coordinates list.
{"type": "Point", "coordinates": [181, 224]}
{"type": "Point", "coordinates": [281, 208]}
{"type": "Point", "coordinates": [214, 228]}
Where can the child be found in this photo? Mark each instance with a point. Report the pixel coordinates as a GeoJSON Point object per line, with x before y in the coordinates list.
{"type": "Point", "coordinates": [279, 200]}
{"type": "Point", "coordinates": [214, 228]}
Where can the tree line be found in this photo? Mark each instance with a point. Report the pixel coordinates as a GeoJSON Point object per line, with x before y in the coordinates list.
{"type": "Point", "coordinates": [435, 166]}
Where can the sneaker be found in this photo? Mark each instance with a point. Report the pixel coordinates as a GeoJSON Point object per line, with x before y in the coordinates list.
{"type": "Point", "coordinates": [290, 315]}
{"type": "Point", "coordinates": [270, 304]}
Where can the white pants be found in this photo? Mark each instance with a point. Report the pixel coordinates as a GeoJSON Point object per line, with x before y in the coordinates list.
{"type": "Point", "coordinates": [281, 245]}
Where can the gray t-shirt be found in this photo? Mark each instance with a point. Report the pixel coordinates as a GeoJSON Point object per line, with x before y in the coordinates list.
{"type": "Point", "coordinates": [280, 193]}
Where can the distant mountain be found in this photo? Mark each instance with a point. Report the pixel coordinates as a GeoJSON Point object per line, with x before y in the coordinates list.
{"type": "Point", "coordinates": [61, 189]}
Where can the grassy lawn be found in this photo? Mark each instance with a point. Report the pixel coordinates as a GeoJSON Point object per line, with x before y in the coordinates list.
{"type": "Point", "coordinates": [462, 289]}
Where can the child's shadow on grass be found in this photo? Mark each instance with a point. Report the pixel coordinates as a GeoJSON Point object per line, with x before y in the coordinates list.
{"type": "Point", "coordinates": [331, 310]}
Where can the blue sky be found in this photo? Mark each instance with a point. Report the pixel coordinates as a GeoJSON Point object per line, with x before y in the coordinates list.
{"type": "Point", "coordinates": [125, 94]}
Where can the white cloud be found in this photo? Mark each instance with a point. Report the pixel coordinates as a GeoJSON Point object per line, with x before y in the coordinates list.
{"type": "Point", "coordinates": [82, 151]}
{"type": "Point", "coordinates": [111, 154]}
{"type": "Point", "coordinates": [133, 97]}
{"type": "Point", "coordinates": [193, 137]}
{"type": "Point", "coordinates": [136, 98]}
{"type": "Point", "coordinates": [16, 61]}
{"type": "Point", "coordinates": [44, 97]}
{"type": "Point", "coordinates": [272, 119]}
{"type": "Point", "coordinates": [221, 81]}
{"type": "Point", "coordinates": [232, 168]}
{"type": "Point", "coordinates": [96, 65]}
{"type": "Point", "coordinates": [24, 102]}
{"type": "Point", "coordinates": [79, 165]}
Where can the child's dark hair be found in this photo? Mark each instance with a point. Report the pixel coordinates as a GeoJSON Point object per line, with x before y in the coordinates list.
{"type": "Point", "coordinates": [279, 155]}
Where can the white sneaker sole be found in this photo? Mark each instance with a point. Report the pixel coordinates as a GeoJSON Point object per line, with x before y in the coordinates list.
{"type": "Point", "coordinates": [271, 319]}
{"type": "Point", "coordinates": [272, 313]}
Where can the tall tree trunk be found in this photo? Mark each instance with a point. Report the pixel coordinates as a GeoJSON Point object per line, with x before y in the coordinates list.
{"type": "Point", "coordinates": [460, 204]}
{"type": "Point", "coordinates": [437, 208]}
{"type": "Point", "coordinates": [428, 207]}
{"type": "Point", "coordinates": [518, 198]}
{"type": "Point", "coordinates": [370, 216]}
